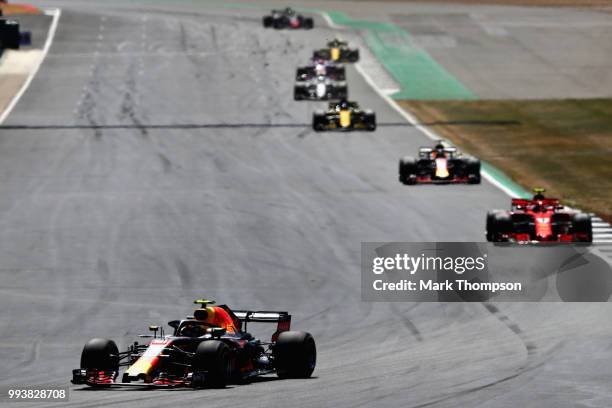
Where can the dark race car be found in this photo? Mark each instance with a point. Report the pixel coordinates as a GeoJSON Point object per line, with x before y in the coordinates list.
{"type": "Point", "coordinates": [319, 67]}
{"type": "Point", "coordinates": [209, 349]}
{"type": "Point", "coordinates": [344, 115]}
{"type": "Point", "coordinates": [287, 18]}
{"type": "Point", "coordinates": [539, 219]}
{"type": "Point", "coordinates": [440, 164]}
{"type": "Point", "coordinates": [337, 51]}
{"type": "Point", "coordinates": [320, 89]}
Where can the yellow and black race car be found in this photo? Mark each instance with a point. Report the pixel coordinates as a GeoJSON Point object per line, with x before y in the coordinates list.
{"type": "Point", "coordinates": [344, 115]}
{"type": "Point", "coordinates": [337, 51]}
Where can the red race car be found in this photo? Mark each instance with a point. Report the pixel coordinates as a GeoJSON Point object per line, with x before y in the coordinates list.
{"type": "Point", "coordinates": [540, 219]}
{"type": "Point", "coordinates": [209, 349]}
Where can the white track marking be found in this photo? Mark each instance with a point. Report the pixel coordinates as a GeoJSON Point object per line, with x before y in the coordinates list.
{"type": "Point", "coordinates": [56, 13]}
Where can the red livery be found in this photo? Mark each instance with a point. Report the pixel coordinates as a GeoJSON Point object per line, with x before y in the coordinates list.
{"type": "Point", "coordinates": [539, 219]}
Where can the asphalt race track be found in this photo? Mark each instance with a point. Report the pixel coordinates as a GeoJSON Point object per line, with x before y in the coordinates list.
{"type": "Point", "coordinates": [106, 230]}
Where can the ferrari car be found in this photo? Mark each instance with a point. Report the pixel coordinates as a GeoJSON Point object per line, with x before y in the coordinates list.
{"type": "Point", "coordinates": [536, 220]}
{"type": "Point", "coordinates": [337, 51]}
{"type": "Point", "coordinates": [344, 115]}
{"type": "Point", "coordinates": [287, 18]}
{"type": "Point", "coordinates": [320, 89]}
{"type": "Point", "coordinates": [440, 164]}
{"type": "Point", "coordinates": [318, 67]}
{"type": "Point", "coordinates": [209, 349]}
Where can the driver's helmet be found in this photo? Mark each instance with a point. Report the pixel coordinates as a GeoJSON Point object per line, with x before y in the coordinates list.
{"type": "Point", "coordinates": [538, 197]}
{"type": "Point", "coordinates": [289, 11]}
{"type": "Point", "coordinates": [192, 330]}
{"type": "Point", "coordinates": [439, 149]}
{"type": "Point", "coordinates": [321, 78]}
{"type": "Point", "coordinates": [344, 104]}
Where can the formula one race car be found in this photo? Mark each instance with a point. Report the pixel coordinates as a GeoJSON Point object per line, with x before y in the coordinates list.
{"type": "Point", "coordinates": [337, 51]}
{"type": "Point", "coordinates": [320, 89]}
{"type": "Point", "coordinates": [440, 164]}
{"type": "Point", "coordinates": [344, 115]}
{"type": "Point", "coordinates": [10, 35]}
{"type": "Point", "coordinates": [209, 349]}
{"type": "Point", "coordinates": [319, 67]}
{"type": "Point", "coordinates": [540, 219]}
{"type": "Point", "coordinates": [287, 18]}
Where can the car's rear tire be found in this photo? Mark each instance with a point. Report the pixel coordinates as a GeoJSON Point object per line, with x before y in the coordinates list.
{"type": "Point", "coordinates": [268, 21]}
{"type": "Point", "coordinates": [308, 23]}
{"type": "Point", "coordinates": [212, 356]}
{"type": "Point", "coordinates": [318, 121]}
{"type": "Point", "coordinates": [407, 170]}
{"type": "Point", "coordinates": [100, 354]}
{"type": "Point", "coordinates": [473, 171]}
{"type": "Point", "coordinates": [581, 224]}
{"type": "Point", "coordinates": [498, 224]}
{"type": "Point", "coordinates": [370, 121]}
{"type": "Point", "coordinates": [295, 355]}
{"type": "Point", "coordinates": [10, 37]}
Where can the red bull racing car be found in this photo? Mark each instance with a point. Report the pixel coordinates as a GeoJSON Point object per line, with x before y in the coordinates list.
{"type": "Point", "coordinates": [344, 115]}
{"type": "Point", "coordinates": [287, 18]}
{"type": "Point", "coordinates": [539, 219]}
{"type": "Point", "coordinates": [209, 349]}
{"type": "Point", "coordinates": [440, 164]}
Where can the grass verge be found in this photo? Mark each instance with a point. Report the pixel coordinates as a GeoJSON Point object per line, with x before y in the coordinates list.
{"type": "Point", "coordinates": [564, 146]}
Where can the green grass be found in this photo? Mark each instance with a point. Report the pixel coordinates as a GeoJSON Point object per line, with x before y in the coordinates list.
{"type": "Point", "coordinates": [562, 145]}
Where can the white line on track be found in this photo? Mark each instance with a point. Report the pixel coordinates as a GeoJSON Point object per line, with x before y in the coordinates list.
{"type": "Point", "coordinates": [56, 13]}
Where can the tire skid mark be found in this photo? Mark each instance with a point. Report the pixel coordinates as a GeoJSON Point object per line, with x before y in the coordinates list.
{"type": "Point", "coordinates": [513, 326]}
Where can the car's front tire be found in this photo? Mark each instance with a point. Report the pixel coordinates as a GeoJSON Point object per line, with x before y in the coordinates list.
{"type": "Point", "coordinates": [100, 354]}
{"type": "Point", "coordinates": [212, 357]}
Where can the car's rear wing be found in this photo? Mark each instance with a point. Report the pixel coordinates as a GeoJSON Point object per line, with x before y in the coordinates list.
{"type": "Point", "coordinates": [525, 202]}
{"type": "Point", "coordinates": [282, 319]}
